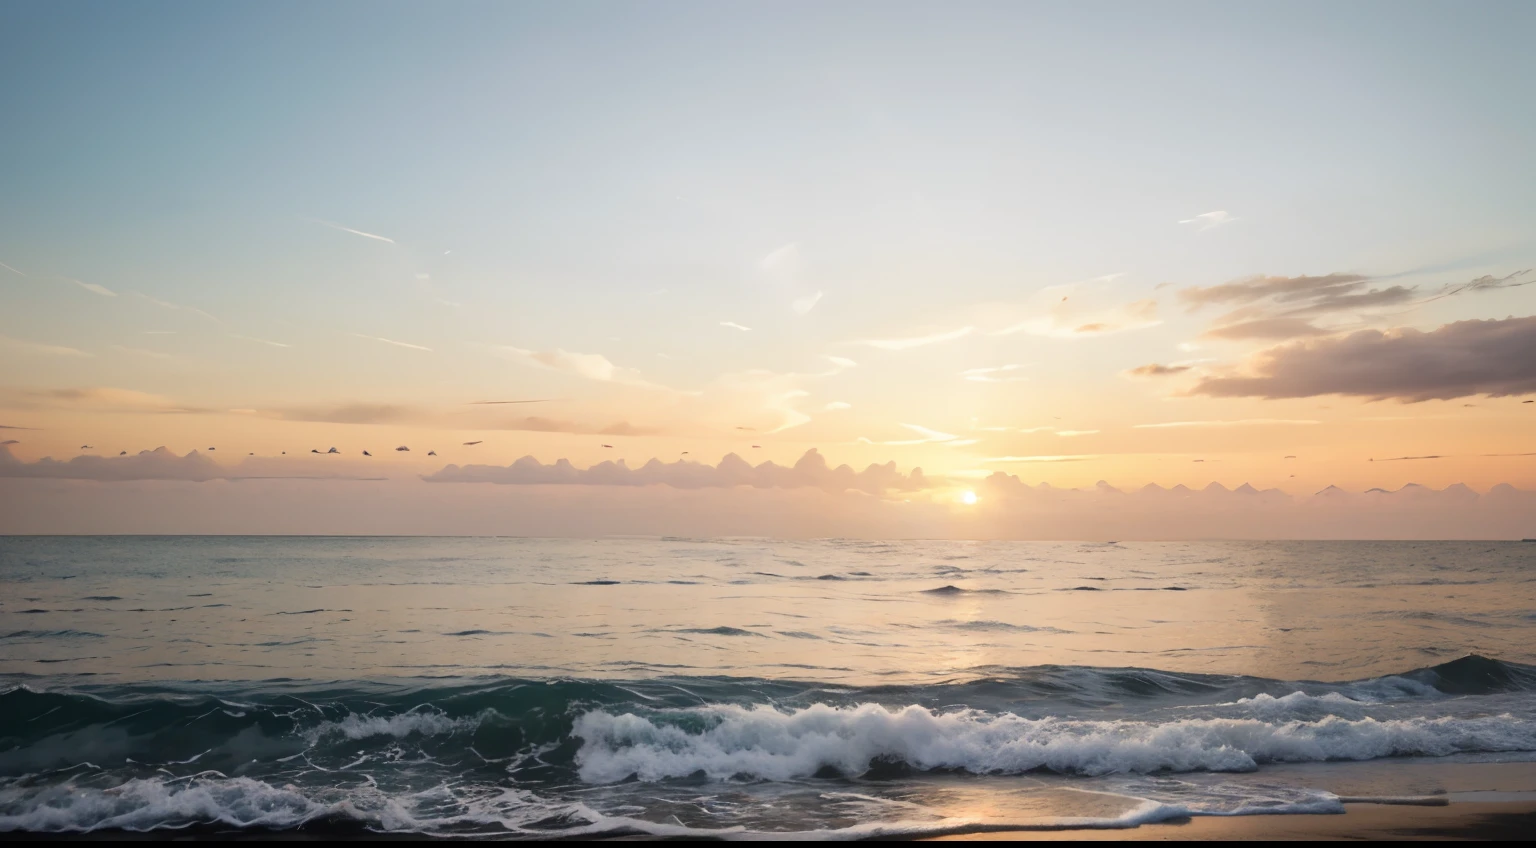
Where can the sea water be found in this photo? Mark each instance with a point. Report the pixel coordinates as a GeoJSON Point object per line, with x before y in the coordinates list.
{"type": "Point", "coordinates": [738, 687]}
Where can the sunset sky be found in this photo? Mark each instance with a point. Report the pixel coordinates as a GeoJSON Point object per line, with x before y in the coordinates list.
{"type": "Point", "coordinates": [1069, 242]}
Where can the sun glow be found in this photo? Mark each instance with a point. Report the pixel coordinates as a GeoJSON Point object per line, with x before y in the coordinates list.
{"type": "Point", "coordinates": [968, 498]}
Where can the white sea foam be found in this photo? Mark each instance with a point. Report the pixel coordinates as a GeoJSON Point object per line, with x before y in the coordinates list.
{"type": "Point", "coordinates": [762, 742]}
{"type": "Point", "coordinates": [355, 726]}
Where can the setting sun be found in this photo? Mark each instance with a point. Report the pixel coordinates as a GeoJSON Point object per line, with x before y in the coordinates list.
{"type": "Point", "coordinates": [968, 498]}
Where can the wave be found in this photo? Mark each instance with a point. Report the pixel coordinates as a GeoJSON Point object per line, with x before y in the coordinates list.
{"type": "Point", "coordinates": [526, 756]}
{"type": "Point", "coordinates": [726, 742]}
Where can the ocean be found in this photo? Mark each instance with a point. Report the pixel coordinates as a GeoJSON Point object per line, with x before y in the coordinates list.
{"type": "Point", "coordinates": [743, 688]}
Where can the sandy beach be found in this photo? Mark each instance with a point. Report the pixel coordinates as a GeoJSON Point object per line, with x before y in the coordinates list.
{"type": "Point", "coordinates": [1457, 820]}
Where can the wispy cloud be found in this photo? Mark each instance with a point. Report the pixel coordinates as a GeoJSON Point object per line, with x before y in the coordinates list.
{"type": "Point", "coordinates": [93, 288]}
{"type": "Point", "coordinates": [14, 271]}
{"type": "Point", "coordinates": [928, 434]}
{"type": "Point", "coordinates": [1075, 312]}
{"type": "Point", "coordinates": [1070, 433]}
{"type": "Point", "coordinates": [1157, 370]}
{"type": "Point", "coordinates": [34, 347]}
{"type": "Point", "coordinates": [592, 366]}
{"type": "Point", "coordinates": [352, 231]}
{"type": "Point", "coordinates": [1241, 422]}
{"type": "Point", "coordinates": [393, 342]}
{"type": "Point", "coordinates": [1209, 220]}
{"type": "Point", "coordinates": [918, 341]}
{"type": "Point", "coordinates": [141, 352]}
{"type": "Point", "coordinates": [837, 405]}
{"type": "Point", "coordinates": [780, 260]}
{"type": "Point", "coordinates": [258, 341]}
{"type": "Point", "coordinates": [735, 326]}
{"type": "Point", "coordinates": [1056, 458]}
{"type": "Point", "coordinates": [179, 307]}
{"type": "Point", "coordinates": [802, 305]}
{"type": "Point", "coordinates": [994, 374]}
{"type": "Point", "coordinates": [98, 398]}
{"type": "Point", "coordinates": [501, 402]}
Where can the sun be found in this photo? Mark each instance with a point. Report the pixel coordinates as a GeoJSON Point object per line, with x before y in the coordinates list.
{"type": "Point", "coordinates": [968, 498]}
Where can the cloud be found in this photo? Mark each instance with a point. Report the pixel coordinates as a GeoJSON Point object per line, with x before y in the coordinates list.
{"type": "Point", "coordinates": [1079, 310]}
{"type": "Point", "coordinates": [1070, 433]}
{"type": "Point", "coordinates": [781, 260]}
{"type": "Point", "coordinates": [165, 304]}
{"type": "Point", "coordinates": [393, 342]}
{"type": "Point", "coordinates": [1487, 282]}
{"type": "Point", "coordinates": [93, 288]}
{"type": "Point", "coordinates": [929, 436]}
{"type": "Point", "coordinates": [352, 231]}
{"type": "Point", "coordinates": [918, 341]}
{"type": "Point", "coordinates": [811, 471]}
{"type": "Point", "coordinates": [13, 270]}
{"type": "Point", "coordinates": [1056, 458]}
{"type": "Point", "coordinates": [158, 464]}
{"type": "Point", "coordinates": [421, 416]}
{"type": "Point", "coordinates": [1241, 422]}
{"type": "Point", "coordinates": [994, 374]}
{"type": "Point", "coordinates": [1156, 370]}
{"type": "Point", "coordinates": [20, 346]}
{"type": "Point", "coordinates": [1266, 328]}
{"type": "Point", "coordinates": [1209, 220]}
{"type": "Point", "coordinates": [592, 366]}
{"type": "Point", "coordinates": [1494, 357]}
{"type": "Point", "coordinates": [141, 352]}
{"type": "Point", "coordinates": [9, 442]}
{"type": "Point", "coordinates": [802, 305]}
{"type": "Point", "coordinates": [258, 341]}
{"type": "Point", "coordinates": [735, 326]}
{"type": "Point", "coordinates": [837, 405]}
{"type": "Point", "coordinates": [8, 427]}
{"type": "Point", "coordinates": [99, 399]}
{"type": "Point", "coordinates": [1262, 307]}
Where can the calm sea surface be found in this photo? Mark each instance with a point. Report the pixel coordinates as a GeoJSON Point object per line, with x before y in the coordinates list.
{"type": "Point", "coordinates": [741, 687]}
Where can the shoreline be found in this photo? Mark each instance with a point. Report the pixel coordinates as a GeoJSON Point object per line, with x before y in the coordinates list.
{"type": "Point", "coordinates": [1361, 821]}
{"type": "Point", "coordinates": [1365, 821]}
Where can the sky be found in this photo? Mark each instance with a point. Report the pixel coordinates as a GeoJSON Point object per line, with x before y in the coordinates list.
{"type": "Point", "coordinates": [1285, 245]}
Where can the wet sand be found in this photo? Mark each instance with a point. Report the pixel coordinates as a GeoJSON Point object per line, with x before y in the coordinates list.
{"type": "Point", "coordinates": [1456, 820]}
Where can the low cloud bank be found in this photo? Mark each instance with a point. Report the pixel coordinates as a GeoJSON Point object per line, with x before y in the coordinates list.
{"type": "Point", "coordinates": [1216, 512]}
{"type": "Point", "coordinates": [158, 464]}
{"type": "Point", "coordinates": [810, 471]}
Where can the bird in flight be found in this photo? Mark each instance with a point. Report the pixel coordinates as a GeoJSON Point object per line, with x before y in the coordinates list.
{"type": "Point", "coordinates": [333, 450]}
{"type": "Point", "coordinates": [87, 447]}
{"type": "Point", "coordinates": [607, 446]}
{"type": "Point", "coordinates": [122, 453]}
{"type": "Point", "coordinates": [757, 446]}
{"type": "Point", "coordinates": [365, 453]}
{"type": "Point", "coordinates": [211, 448]}
{"type": "Point", "coordinates": [314, 450]}
{"type": "Point", "coordinates": [467, 444]}
{"type": "Point", "coordinates": [403, 448]}
{"type": "Point", "coordinates": [431, 453]}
